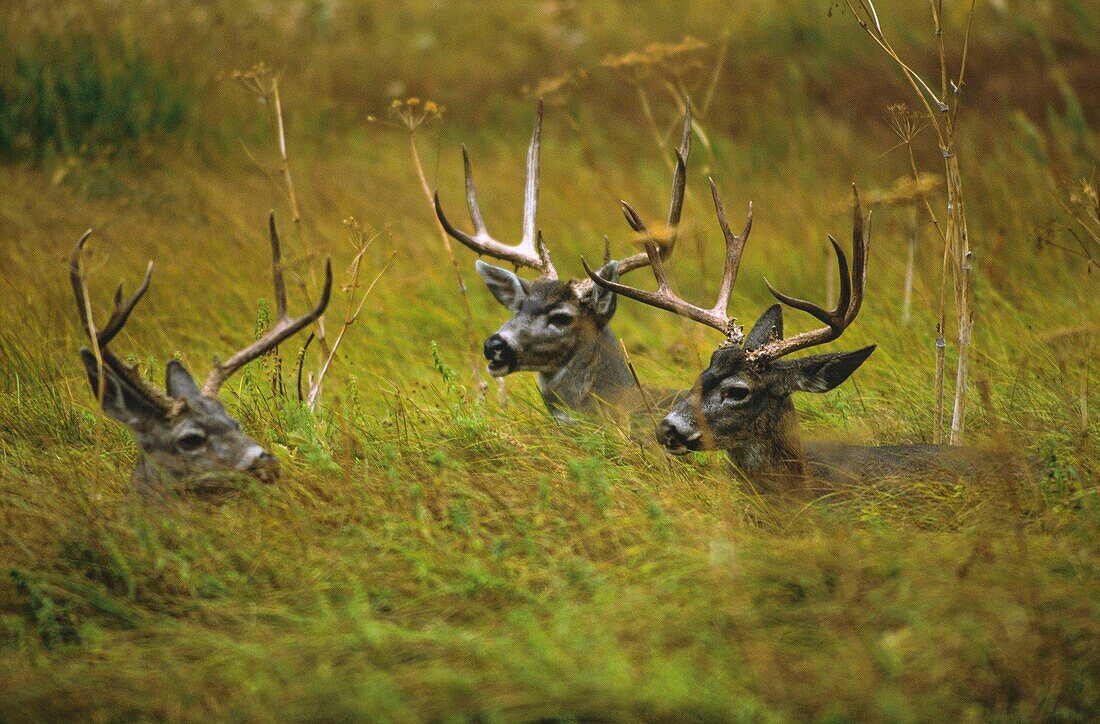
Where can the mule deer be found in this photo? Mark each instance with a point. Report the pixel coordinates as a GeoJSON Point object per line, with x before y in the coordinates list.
{"type": "Point", "coordinates": [559, 329]}
{"type": "Point", "coordinates": [185, 434]}
{"type": "Point", "coordinates": [742, 402]}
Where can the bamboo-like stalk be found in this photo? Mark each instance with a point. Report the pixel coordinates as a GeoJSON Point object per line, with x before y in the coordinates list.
{"type": "Point", "coordinates": [958, 257]}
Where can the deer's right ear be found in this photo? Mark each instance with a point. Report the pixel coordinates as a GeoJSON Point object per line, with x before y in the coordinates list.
{"type": "Point", "coordinates": [506, 286]}
{"type": "Point", "coordinates": [178, 382]}
{"type": "Point", "coordinates": [120, 400]}
{"type": "Point", "coordinates": [768, 328]}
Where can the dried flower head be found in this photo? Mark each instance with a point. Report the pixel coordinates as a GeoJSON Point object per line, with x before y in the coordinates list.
{"type": "Point", "coordinates": [411, 113]}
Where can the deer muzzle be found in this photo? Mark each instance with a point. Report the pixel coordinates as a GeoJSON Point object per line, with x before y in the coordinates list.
{"type": "Point", "coordinates": [500, 355]}
{"type": "Point", "coordinates": [678, 436]}
{"type": "Point", "coordinates": [262, 465]}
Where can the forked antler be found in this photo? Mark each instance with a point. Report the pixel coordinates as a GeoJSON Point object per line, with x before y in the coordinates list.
{"type": "Point", "coordinates": [666, 240]}
{"type": "Point", "coordinates": [283, 327]}
{"type": "Point", "coordinates": [530, 251]}
{"type": "Point", "coordinates": [675, 207]}
{"type": "Point", "coordinates": [838, 318]}
{"type": "Point", "coordinates": [115, 323]}
{"type": "Point", "coordinates": [717, 316]}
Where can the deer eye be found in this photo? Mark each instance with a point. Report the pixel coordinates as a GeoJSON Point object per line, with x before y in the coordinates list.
{"type": "Point", "coordinates": [736, 393]}
{"type": "Point", "coordinates": [191, 441]}
{"type": "Point", "coordinates": [561, 319]}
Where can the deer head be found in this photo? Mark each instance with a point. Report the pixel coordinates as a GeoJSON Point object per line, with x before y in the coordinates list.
{"type": "Point", "coordinates": [185, 434]}
{"type": "Point", "coordinates": [742, 402]}
{"type": "Point", "coordinates": [551, 319]}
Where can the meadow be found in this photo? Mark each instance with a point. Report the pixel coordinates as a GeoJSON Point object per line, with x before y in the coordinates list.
{"type": "Point", "coordinates": [438, 548]}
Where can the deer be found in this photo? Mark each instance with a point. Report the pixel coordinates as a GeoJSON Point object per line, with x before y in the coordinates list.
{"type": "Point", "coordinates": [187, 439]}
{"type": "Point", "coordinates": [741, 403]}
{"type": "Point", "coordinates": [560, 329]}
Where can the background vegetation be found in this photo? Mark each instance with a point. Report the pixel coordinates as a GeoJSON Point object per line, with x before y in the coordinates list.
{"type": "Point", "coordinates": [433, 552]}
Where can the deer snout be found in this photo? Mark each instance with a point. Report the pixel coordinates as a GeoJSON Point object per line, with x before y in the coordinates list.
{"type": "Point", "coordinates": [261, 464]}
{"type": "Point", "coordinates": [678, 435]}
{"type": "Point", "coordinates": [500, 354]}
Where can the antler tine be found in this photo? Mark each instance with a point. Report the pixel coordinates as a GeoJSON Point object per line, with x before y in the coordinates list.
{"type": "Point", "coordinates": [531, 184]}
{"type": "Point", "coordinates": [848, 304]}
{"type": "Point", "coordinates": [283, 328]}
{"type": "Point", "coordinates": [531, 251]}
{"type": "Point", "coordinates": [717, 316]}
{"type": "Point", "coordinates": [120, 314]}
{"type": "Point", "coordinates": [663, 298]}
{"type": "Point", "coordinates": [735, 247]}
{"type": "Point", "coordinates": [114, 325]}
{"type": "Point", "coordinates": [676, 202]}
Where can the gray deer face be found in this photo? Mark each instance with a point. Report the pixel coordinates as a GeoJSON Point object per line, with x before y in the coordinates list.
{"type": "Point", "coordinates": [191, 440]}
{"type": "Point", "coordinates": [743, 400]}
{"type": "Point", "coordinates": [186, 437]}
{"type": "Point", "coordinates": [550, 321]}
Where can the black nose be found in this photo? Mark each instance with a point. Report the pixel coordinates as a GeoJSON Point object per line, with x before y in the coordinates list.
{"type": "Point", "coordinates": [677, 439]}
{"type": "Point", "coordinates": [499, 353]}
{"type": "Point", "coordinates": [266, 468]}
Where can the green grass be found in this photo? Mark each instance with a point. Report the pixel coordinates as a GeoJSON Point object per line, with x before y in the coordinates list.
{"type": "Point", "coordinates": [432, 555]}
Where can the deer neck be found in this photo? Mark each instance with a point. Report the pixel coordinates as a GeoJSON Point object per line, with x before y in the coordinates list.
{"type": "Point", "coordinates": [146, 477]}
{"type": "Point", "coordinates": [773, 454]}
{"type": "Point", "coordinates": [596, 373]}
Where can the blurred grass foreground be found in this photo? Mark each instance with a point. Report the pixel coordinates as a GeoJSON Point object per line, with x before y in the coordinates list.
{"type": "Point", "coordinates": [435, 552]}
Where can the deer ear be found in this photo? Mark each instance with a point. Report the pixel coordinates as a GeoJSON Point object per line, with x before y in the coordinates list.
{"type": "Point", "coordinates": [178, 381]}
{"type": "Point", "coordinates": [767, 328]}
{"type": "Point", "coordinates": [506, 286]}
{"type": "Point", "coordinates": [603, 301]}
{"type": "Point", "coordinates": [823, 372]}
{"type": "Point", "coordinates": [120, 400]}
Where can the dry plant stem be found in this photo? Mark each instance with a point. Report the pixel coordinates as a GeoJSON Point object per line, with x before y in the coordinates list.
{"type": "Point", "coordinates": [941, 361]}
{"type": "Point", "coordinates": [291, 195]}
{"type": "Point", "coordinates": [1085, 393]}
{"type": "Point", "coordinates": [101, 386]}
{"type": "Point", "coordinates": [638, 383]}
{"type": "Point", "coordinates": [349, 319]}
{"type": "Point", "coordinates": [956, 240]}
{"type": "Point", "coordinates": [910, 260]}
{"type": "Point", "coordinates": [471, 335]}
{"type": "Point", "coordinates": [295, 210]}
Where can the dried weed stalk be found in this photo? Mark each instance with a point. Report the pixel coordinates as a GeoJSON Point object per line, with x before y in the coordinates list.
{"type": "Point", "coordinates": [941, 115]}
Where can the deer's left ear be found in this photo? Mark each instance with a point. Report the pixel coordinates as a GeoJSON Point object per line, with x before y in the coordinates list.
{"type": "Point", "coordinates": [602, 300]}
{"type": "Point", "coordinates": [823, 372]}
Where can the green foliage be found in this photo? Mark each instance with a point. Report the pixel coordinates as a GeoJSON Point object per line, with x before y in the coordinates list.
{"type": "Point", "coordinates": [86, 94]}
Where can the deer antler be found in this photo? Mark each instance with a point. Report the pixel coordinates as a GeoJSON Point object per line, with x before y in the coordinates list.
{"type": "Point", "coordinates": [715, 317]}
{"type": "Point", "coordinates": [114, 325]}
{"type": "Point", "coordinates": [530, 251]}
{"type": "Point", "coordinates": [837, 319]}
{"type": "Point", "coordinates": [283, 327]}
{"type": "Point", "coordinates": [676, 204]}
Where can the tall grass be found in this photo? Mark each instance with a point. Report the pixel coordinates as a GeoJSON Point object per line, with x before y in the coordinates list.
{"type": "Point", "coordinates": [429, 552]}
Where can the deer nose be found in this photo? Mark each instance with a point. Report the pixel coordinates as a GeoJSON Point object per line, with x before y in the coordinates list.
{"type": "Point", "coordinates": [500, 354]}
{"type": "Point", "coordinates": [262, 464]}
{"type": "Point", "coordinates": [677, 437]}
